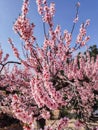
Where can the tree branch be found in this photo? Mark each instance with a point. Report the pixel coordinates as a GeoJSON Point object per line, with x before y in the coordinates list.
{"type": "Point", "coordinates": [8, 62]}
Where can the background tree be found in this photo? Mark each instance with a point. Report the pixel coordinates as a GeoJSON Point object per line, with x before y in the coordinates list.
{"type": "Point", "coordinates": [93, 50]}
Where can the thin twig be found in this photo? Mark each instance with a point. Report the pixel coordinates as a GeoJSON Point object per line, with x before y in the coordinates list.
{"type": "Point", "coordinates": [44, 28]}
{"type": "Point", "coordinates": [77, 11]}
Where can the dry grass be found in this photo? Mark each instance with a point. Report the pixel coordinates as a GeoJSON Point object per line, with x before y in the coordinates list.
{"type": "Point", "coordinates": [71, 125]}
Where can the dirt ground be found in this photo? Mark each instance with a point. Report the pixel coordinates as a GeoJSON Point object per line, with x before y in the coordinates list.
{"type": "Point", "coordinates": [54, 123]}
{"type": "Point", "coordinates": [71, 125]}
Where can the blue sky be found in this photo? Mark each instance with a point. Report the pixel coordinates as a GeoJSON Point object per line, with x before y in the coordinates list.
{"type": "Point", "coordinates": [65, 12]}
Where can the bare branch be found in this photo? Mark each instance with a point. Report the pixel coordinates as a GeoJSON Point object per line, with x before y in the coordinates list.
{"type": "Point", "coordinates": [77, 11]}
{"type": "Point", "coordinates": [8, 62]}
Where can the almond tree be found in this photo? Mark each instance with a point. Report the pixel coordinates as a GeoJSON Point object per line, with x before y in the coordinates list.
{"type": "Point", "coordinates": [51, 78]}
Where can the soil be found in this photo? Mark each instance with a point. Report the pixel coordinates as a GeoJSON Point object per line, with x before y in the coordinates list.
{"type": "Point", "coordinates": [9, 123]}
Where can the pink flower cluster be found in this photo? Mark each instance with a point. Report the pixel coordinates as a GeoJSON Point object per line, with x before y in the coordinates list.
{"type": "Point", "coordinates": [22, 26]}
{"type": "Point", "coordinates": [82, 38]}
{"type": "Point", "coordinates": [46, 11]}
{"type": "Point", "coordinates": [63, 123]}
